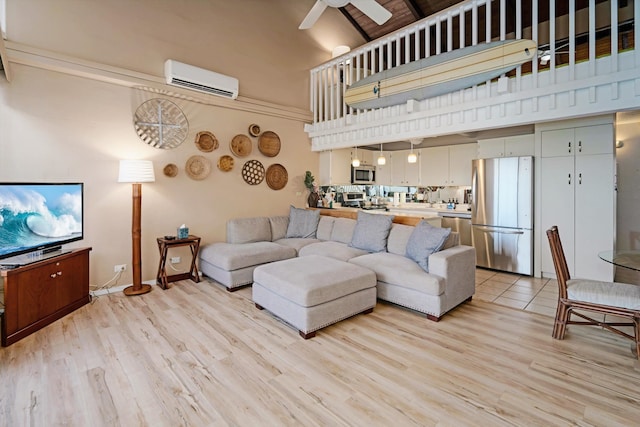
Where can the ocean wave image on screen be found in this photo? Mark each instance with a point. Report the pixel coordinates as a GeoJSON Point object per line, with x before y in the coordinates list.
{"type": "Point", "coordinates": [38, 215]}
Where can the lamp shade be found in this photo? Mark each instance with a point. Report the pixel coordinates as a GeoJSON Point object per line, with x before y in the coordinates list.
{"type": "Point", "coordinates": [339, 51]}
{"type": "Point", "coordinates": [136, 171]}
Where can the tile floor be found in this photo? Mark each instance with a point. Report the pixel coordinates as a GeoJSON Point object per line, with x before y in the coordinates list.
{"type": "Point", "coordinates": [521, 292]}
{"type": "Point", "coordinates": [527, 293]}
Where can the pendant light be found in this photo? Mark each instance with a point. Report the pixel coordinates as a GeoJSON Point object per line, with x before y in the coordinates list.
{"type": "Point", "coordinates": [356, 161]}
{"type": "Point", "coordinates": [381, 159]}
{"type": "Point", "coordinates": [412, 157]}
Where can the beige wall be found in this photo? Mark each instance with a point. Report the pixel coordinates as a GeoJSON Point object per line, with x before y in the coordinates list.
{"type": "Point", "coordinates": [256, 41]}
{"type": "Point", "coordinates": [81, 128]}
{"type": "Point", "coordinates": [59, 127]}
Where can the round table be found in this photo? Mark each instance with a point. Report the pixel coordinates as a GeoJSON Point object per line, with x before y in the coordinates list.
{"type": "Point", "coordinates": [623, 258]}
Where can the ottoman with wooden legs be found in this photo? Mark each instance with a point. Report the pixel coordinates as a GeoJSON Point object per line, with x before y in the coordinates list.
{"type": "Point", "coordinates": [312, 292]}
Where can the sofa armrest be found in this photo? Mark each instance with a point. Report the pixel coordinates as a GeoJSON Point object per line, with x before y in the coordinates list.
{"type": "Point", "coordinates": [458, 267]}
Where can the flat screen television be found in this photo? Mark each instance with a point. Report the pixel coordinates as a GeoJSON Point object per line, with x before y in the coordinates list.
{"type": "Point", "coordinates": [38, 218]}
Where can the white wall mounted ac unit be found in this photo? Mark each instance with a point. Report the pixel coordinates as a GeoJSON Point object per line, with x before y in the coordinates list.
{"type": "Point", "coordinates": [187, 76]}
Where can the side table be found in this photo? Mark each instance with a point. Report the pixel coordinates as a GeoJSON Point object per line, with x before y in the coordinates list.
{"type": "Point", "coordinates": [164, 244]}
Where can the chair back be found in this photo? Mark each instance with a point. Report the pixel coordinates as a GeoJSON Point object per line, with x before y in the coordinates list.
{"type": "Point", "coordinates": [559, 260]}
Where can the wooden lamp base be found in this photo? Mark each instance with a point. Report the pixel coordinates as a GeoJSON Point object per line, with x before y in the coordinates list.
{"type": "Point", "coordinates": [131, 291]}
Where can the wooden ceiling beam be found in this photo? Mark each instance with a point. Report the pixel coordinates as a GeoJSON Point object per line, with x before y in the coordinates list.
{"type": "Point", "coordinates": [355, 24]}
{"type": "Point", "coordinates": [415, 10]}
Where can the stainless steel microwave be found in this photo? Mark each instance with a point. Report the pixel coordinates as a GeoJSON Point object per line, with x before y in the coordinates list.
{"type": "Point", "coordinates": [363, 174]}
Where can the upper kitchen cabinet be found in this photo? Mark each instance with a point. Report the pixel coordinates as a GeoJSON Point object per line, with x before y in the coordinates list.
{"type": "Point", "coordinates": [403, 172]}
{"type": "Point", "coordinates": [513, 146]}
{"type": "Point", "coordinates": [365, 156]}
{"type": "Point", "coordinates": [434, 166]}
{"type": "Point", "coordinates": [383, 172]}
{"type": "Point", "coordinates": [584, 140]}
{"type": "Point", "coordinates": [335, 167]}
{"type": "Point", "coordinates": [447, 166]}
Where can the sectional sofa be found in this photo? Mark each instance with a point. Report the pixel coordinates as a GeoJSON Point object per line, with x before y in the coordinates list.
{"type": "Point", "coordinates": [447, 279]}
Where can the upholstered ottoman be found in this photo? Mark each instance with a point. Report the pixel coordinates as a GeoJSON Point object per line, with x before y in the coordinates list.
{"type": "Point", "coordinates": [312, 292]}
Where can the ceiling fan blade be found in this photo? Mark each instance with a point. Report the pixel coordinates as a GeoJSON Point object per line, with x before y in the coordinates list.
{"type": "Point", "coordinates": [313, 15]}
{"type": "Point", "coordinates": [373, 10]}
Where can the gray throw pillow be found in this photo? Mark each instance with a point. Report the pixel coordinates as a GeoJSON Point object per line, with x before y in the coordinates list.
{"type": "Point", "coordinates": [425, 240]}
{"type": "Point", "coordinates": [371, 232]}
{"type": "Point", "coordinates": [302, 223]}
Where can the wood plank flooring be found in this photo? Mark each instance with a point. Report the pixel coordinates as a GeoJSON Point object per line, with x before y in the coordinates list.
{"type": "Point", "coordinates": [196, 355]}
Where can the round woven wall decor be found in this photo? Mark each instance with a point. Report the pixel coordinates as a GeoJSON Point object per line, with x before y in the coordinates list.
{"type": "Point", "coordinates": [198, 167]}
{"type": "Point", "coordinates": [206, 141]}
{"type": "Point", "coordinates": [170, 170]}
{"type": "Point", "coordinates": [160, 123]}
{"type": "Point", "coordinates": [269, 143]}
{"type": "Point", "coordinates": [254, 130]}
{"type": "Point", "coordinates": [225, 163]}
{"type": "Point", "coordinates": [277, 176]}
{"type": "Point", "coordinates": [241, 145]}
{"type": "Point", "coordinates": [253, 172]}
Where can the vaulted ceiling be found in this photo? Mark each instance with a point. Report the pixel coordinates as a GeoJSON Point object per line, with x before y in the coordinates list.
{"type": "Point", "coordinates": [406, 12]}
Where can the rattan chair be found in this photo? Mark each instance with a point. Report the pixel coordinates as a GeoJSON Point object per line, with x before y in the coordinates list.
{"type": "Point", "coordinates": [608, 298]}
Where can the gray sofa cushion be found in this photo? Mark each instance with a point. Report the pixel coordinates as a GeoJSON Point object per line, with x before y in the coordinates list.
{"type": "Point", "coordinates": [279, 225]}
{"type": "Point", "coordinates": [343, 230]}
{"type": "Point", "coordinates": [398, 238]}
{"type": "Point", "coordinates": [325, 227]}
{"type": "Point", "coordinates": [247, 230]}
{"type": "Point", "coordinates": [303, 223]}
{"type": "Point", "coordinates": [296, 243]}
{"type": "Point", "coordinates": [401, 271]}
{"type": "Point", "coordinates": [371, 232]}
{"type": "Point", "coordinates": [233, 256]}
{"type": "Point", "coordinates": [425, 240]}
{"type": "Point", "coordinates": [335, 250]}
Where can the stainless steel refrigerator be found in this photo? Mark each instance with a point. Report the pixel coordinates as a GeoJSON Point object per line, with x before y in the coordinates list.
{"type": "Point", "coordinates": [502, 213]}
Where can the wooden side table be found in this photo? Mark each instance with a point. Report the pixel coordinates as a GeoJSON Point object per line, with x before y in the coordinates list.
{"type": "Point", "coordinates": [164, 244]}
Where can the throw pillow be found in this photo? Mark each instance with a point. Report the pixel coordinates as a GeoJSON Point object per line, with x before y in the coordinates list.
{"type": "Point", "coordinates": [425, 240]}
{"type": "Point", "coordinates": [371, 232]}
{"type": "Point", "coordinates": [302, 223]}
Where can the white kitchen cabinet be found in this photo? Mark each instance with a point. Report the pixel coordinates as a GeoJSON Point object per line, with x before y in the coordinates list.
{"type": "Point", "coordinates": [434, 166]}
{"type": "Point", "coordinates": [383, 172]}
{"type": "Point", "coordinates": [335, 167]}
{"type": "Point", "coordinates": [460, 157]}
{"type": "Point", "coordinates": [403, 172]}
{"type": "Point", "coordinates": [577, 194]}
{"type": "Point", "coordinates": [365, 156]}
{"type": "Point", "coordinates": [579, 141]}
{"type": "Point", "coordinates": [512, 146]}
{"type": "Point", "coordinates": [447, 166]}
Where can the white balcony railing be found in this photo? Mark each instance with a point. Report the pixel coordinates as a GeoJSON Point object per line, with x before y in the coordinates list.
{"type": "Point", "coordinates": [592, 68]}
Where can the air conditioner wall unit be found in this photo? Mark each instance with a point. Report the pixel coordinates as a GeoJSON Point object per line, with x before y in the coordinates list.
{"type": "Point", "coordinates": [190, 77]}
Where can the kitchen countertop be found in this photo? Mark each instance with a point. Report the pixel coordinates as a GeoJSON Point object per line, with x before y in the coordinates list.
{"type": "Point", "coordinates": [411, 210]}
{"type": "Point", "coordinates": [421, 208]}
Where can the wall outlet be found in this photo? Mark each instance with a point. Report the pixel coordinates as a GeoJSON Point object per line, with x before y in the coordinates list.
{"type": "Point", "coordinates": [175, 260]}
{"type": "Point", "coordinates": [119, 267]}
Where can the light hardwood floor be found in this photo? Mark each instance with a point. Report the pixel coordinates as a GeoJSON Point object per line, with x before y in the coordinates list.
{"type": "Point", "coordinates": [196, 355]}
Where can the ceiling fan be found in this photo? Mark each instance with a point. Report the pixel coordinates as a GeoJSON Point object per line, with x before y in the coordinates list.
{"type": "Point", "coordinates": [369, 7]}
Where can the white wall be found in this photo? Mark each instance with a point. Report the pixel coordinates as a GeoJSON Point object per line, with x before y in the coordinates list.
{"type": "Point", "coordinates": [628, 178]}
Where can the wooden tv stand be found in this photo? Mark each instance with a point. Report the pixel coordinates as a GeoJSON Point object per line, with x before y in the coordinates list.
{"type": "Point", "coordinates": [40, 293]}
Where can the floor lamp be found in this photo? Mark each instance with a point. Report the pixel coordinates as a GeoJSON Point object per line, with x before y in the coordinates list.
{"type": "Point", "coordinates": [136, 172]}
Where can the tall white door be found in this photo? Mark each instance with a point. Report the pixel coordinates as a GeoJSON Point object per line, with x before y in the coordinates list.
{"type": "Point", "coordinates": [557, 182]}
{"type": "Point", "coordinates": [595, 208]}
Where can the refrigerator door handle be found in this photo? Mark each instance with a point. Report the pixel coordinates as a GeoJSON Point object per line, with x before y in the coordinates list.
{"type": "Point", "coordinates": [499, 231]}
